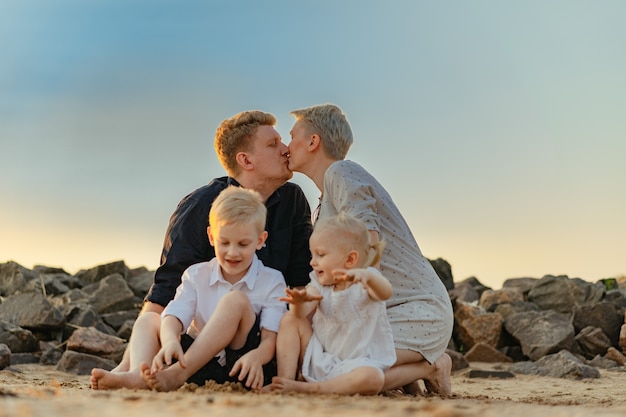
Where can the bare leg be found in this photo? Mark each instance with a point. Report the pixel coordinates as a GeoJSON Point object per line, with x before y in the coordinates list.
{"type": "Point", "coordinates": [124, 365]}
{"type": "Point", "coordinates": [364, 380]}
{"type": "Point", "coordinates": [228, 326]}
{"type": "Point", "coordinates": [291, 342]}
{"type": "Point", "coordinates": [143, 345]}
{"type": "Point", "coordinates": [411, 366]}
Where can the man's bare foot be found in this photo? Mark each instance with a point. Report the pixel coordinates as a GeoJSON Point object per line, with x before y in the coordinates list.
{"type": "Point", "coordinates": [168, 379]}
{"type": "Point", "coordinates": [104, 380]}
{"type": "Point", "coordinates": [440, 382]}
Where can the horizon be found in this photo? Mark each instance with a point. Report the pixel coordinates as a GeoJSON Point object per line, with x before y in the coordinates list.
{"type": "Point", "coordinates": [497, 128]}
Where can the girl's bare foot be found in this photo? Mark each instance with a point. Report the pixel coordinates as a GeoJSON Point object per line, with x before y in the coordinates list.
{"type": "Point", "coordinates": [168, 379]}
{"type": "Point", "coordinates": [289, 385]}
{"type": "Point", "coordinates": [104, 380]}
{"type": "Point", "coordinates": [440, 382]}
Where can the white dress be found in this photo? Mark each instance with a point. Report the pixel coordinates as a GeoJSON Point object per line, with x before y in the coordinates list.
{"type": "Point", "coordinates": [350, 330]}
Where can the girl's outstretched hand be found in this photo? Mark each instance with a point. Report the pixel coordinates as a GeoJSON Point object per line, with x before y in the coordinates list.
{"type": "Point", "coordinates": [361, 275]}
{"type": "Point", "coordinates": [296, 296]}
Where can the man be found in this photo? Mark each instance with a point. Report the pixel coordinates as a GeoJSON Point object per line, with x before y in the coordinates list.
{"type": "Point", "coordinates": [252, 153]}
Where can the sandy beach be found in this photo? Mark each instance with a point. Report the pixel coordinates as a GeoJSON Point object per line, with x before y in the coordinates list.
{"type": "Point", "coordinates": [34, 390]}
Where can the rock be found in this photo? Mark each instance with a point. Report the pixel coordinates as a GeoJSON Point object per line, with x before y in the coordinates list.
{"type": "Point", "coordinates": [97, 273]}
{"type": "Point", "coordinates": [616, 355]}
{"type": "Point", "coordinates": [140, 282]}
{"type": "Point", "coordinates": [473, 325]}
{"type": "Point", "coordinates": [562, 294]}
{"type": "Point", "coordinates": [481, 352]}
{"type": "Point", "coordinates": [82, 363]}
{"type": "Point", "coordinates": [505, 310]}
{"type": "Point", "coordinates": [541, 333]}
{"type": "Point", "coordinates": [92, 341]}
{"type": "Point", "coordinates": [118, 319]}
{"type": "Point", "coordinates": [559, 365]}
{"type": "Point", "coordinates": [593, 341]}
{"type": "Point", "coordinates": [14, 278]}
{"type": "Point", "coordinates": [602, 315]}
{"type": "Point", "coordinates": [444, 272]}
{"type": "Point", "coordinates": [481, 373]}
{"type": "Point", "coordinates": [622, 338]}
{"type": "Point", "coordinates": [458, 360]}
{"type": "Point", "coordinates": [491, 299]}
{"type": "Point", "coordinates": [110, 294]}
{"type": "Point", "coordinates": [17, 339]}
{"type": "Point", "coordinates": [522, 284]}
{"type": "Point", "coordinates": [31, 311]}
{"type": "Point", "coordinates": [5, 356]}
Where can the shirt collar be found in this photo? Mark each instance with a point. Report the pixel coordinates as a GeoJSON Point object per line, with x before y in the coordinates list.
{"type": "Point", "coordinates": [249, 279]}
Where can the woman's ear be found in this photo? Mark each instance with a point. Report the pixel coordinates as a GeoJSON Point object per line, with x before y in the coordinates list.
{"type": "Point", "coordinates": [244, 161]}
{"type": "Point", "coordinates": [314, 142]}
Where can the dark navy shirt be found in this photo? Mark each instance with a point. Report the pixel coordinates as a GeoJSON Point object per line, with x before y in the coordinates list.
{"type": "Point", "coordinates": [186, 242]}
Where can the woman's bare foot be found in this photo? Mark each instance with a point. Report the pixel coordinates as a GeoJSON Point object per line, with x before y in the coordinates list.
{"type": "Point", "coordinates": [168, 379]}
{"type": "Point", "coordinates": [413, 389]}
{"type": "Point", "coordinates": [440, 382]}
{"type": "Point", "coordinates": [104, 380]}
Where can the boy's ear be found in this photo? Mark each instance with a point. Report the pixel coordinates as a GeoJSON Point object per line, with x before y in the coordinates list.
{"type": "Point", "coordinates": [262, 239]}
{"type": "Point", "coordinates": [243, 160]}
{"type": "Point", "coordinates": [208, 232]}
{"type": "Point", "coordinates": [352, 259]}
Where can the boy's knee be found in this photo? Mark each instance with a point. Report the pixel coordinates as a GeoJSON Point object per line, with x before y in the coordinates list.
{"type": "Point", "coordinates": [235, 299]}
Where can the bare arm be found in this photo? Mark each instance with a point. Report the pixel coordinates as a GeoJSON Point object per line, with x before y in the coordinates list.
{"type": "Point", "coordinates": [377, 286]}
{"type": "Point", "coordinates": [171, 328]}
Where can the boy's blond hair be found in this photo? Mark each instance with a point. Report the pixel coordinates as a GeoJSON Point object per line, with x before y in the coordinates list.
{"type": "Point", "coordinates": [236, 205]}
{"type": "Point", "coordinates": [233, 136]}
{"type": "Point", "coordinates": [353, 234]}
{"type": "Point", "coordinates": [330, 123]}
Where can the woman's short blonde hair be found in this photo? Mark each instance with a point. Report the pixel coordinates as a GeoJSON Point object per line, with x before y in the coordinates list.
{"type": "Point", "coordinates": [236, 205]}
{"type": "Point", "coordinates": [331, 124]}
{"type": "Point", "coordinates": [233, 136]}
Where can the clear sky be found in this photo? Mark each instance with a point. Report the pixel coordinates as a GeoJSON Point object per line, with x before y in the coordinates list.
{"type": "Point", "coordinates": [499, 128]}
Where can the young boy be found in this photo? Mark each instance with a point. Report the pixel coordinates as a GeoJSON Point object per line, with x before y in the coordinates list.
{"type": "Point", "coordinates": [222, 323]}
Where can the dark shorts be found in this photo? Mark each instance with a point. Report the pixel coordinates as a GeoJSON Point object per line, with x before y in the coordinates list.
{"type": "Point", "coordinates": [213, 371]}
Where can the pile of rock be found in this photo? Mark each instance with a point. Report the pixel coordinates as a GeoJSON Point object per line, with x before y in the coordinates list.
{"type": "Point", "coordinates": [75, 322]}
{"type": "Point", "coordinates": [555, 325]}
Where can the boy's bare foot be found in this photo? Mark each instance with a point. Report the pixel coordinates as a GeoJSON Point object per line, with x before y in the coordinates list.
{"type": "Point", "coordinates": [441, 381]}
{"type": "Point", "coordinates": [104, 380]}
{"type": "Point", "coordinates": [168, 379]}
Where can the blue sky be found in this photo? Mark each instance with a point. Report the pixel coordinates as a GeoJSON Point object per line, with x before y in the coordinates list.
{"type": "Point", "coordinates": [497, 127]}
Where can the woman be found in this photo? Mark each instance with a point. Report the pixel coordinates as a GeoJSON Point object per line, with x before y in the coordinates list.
{"type": "Point", "coordinates": [420, 311]}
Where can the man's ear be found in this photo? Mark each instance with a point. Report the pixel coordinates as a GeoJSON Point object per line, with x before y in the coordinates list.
{"type": "Point", "coordinates": [243, 160]}
{"type": "Point", "coordinates": [352, 259]}
{"type": "Point", "coordinates": [262, 239]}
{"type": "Point", "coordinates": [208, 232]}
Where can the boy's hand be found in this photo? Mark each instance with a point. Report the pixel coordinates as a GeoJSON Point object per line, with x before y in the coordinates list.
{"type": "Point", "coordinates": [251, 366]}
{"type": "Point", "coordinates": [165, 355]}
{"type": "Point", "coordinates": [295, 296]}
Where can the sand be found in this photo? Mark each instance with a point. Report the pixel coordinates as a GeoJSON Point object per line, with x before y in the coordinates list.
{"type": "Point", "coordinates": [34, 390]}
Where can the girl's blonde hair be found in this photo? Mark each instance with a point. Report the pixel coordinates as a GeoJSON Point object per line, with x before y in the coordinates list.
{"type": "Point", "coordinates": [236, 205]}
{"type": "Point", "coordinates": [353, 233]}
